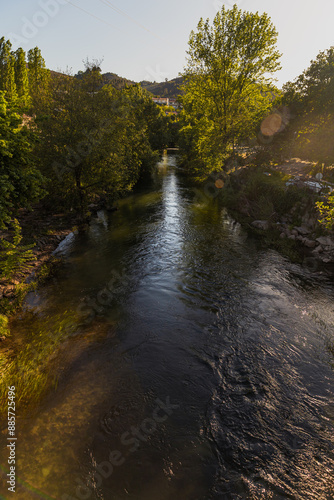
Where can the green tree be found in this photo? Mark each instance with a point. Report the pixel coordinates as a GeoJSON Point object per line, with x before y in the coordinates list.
{"type": "Point", "coordinates": [20, 181]}
{"type": "Point", "coordinates": [39, 81]}
{"type": "Point", "coordinates": [21, 76]}
{"type": "Point", "coordinates": [95, 141]}
{"type": "Point", "coordinates": [228, 85]}
{"type": "Point", "coordinates": [7, 70]}
{"type": "Point", "coordinates": [311, 102]}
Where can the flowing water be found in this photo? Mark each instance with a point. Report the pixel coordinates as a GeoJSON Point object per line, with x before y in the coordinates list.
{"type": "Point", "coordinates": [199, 367]}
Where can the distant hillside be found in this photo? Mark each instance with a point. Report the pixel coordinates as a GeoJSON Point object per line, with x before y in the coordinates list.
{"type": "Point", "coordinates": [163, 89]}
{"type": "Point", "coordinates": [116, 81]}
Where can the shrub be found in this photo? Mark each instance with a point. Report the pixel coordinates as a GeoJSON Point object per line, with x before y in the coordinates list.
{"type": "Point", "coordinates": [15, 257]}
{"type": "Point", "coordinates": [327, 212]}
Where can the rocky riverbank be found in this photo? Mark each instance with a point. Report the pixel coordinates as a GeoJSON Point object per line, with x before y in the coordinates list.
{"type": "Point", "coordinates": [44, 232]}
{"type": "Point", "coordinates": [280, 202]}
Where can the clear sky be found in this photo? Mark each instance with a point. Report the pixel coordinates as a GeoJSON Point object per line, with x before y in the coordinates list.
{"type": "Point", "coordinates": [147, 40]}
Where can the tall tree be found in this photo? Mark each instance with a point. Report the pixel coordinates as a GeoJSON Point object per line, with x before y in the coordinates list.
{"type": "Point", "coordinates": [7, 69]}
{"type": "Point", "coordinates": [20, 181]}
{"type": "Point", "coordinates": [94, 141]}
{"type": "Point", "coordinates": [228, 84]}
{"type": "Point", "coordinates": [21, 75]}
{"type": "Point", "coordinates": [39, 80]}
{"type": "Point", "coordinates": [311, 101]}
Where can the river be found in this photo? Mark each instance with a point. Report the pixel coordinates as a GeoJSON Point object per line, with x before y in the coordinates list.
{"type": "Point", "coordinates": [199, 368]}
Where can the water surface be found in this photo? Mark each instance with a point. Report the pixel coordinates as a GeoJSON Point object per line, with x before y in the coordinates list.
{"type": "Point", "coordinates": [198, 367]}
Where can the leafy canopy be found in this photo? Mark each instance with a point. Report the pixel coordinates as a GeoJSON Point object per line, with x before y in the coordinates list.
{"type": "Point", "coordinates": [228, 84]}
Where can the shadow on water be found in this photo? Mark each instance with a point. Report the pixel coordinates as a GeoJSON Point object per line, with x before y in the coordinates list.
{"type": "Point", "coordinates": [200, 372]}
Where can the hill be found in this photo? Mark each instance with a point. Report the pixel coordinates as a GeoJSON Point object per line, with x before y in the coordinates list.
{"type": "Point", "coordinates": [116, 81]}
{"type": "Point", "coordinates": [163, 89]}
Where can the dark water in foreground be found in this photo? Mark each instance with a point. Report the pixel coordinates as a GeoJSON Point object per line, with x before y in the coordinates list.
{"type": "Point", "coordinates": [204, 376]}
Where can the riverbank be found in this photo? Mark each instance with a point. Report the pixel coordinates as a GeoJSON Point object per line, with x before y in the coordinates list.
{"type": "Point", "coordinates": [43, 231]}
{"type": "Point", "coordinates": [278, 204]}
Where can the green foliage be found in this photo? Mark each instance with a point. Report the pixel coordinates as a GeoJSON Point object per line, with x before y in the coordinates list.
{"type": "Point", "coordinates": [96, 141]}
{"type": "Point", "coordinates": [227, 87]}
{"type": "Point", "coordinates": [20, 181]}
{"type": "Point", "coordinates": [326, 210]}
{"type": "Point", "coordinates": [7, 70]}
{"type": "Point", "coordinates": [39, 81]}
{"type": "Point", "coordinates": [14, 257]}
{"type": "Point", "coordinates": [4, 328]}
{"type": "Point", "coordinates": [311, 101]}
{"type": "Point", "coordinates": [265, 195]}
{"type": "Point", "coordinates": [21, 77]}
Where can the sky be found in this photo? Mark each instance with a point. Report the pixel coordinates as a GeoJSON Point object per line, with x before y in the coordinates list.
{"type": "Point", "coordinates": [148, 40]}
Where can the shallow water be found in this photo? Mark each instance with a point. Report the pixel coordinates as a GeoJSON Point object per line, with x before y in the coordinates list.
{"type": "Point", "coordinates": [198, 368]}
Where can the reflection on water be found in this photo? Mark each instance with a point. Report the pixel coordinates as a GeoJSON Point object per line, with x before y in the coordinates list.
{"type": "Point", "coordinates": [205, 375]}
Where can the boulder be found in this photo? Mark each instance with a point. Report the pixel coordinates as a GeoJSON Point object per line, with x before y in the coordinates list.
{"type": "Point", "coordinates": [318, 249]}
{"type": "Point", "coordinates": [261, 224]}
{"type": "Point", "coordinates": [310, 243]}
{"type": "Point", "coordinates": [326, 242]}
{"type": "Point", "coordinates": [303, 230]}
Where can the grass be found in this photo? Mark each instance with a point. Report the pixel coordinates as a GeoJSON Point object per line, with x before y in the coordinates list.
{"type": "Point", "coordinates": [30, 368]}
{"type": "Point", "coordinates": [8, 307]}
{"type": "Point", "coordinates": [4, 326]}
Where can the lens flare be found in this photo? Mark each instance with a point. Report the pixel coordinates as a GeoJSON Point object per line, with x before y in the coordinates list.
{"type": "Point", "coordinates": [271, 125]}
{"type": "Point", "coordinates": [219, 183]}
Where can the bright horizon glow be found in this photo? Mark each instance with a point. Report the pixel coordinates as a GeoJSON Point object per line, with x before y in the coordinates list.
{"type": "Point", "coordinates": [148, 40]}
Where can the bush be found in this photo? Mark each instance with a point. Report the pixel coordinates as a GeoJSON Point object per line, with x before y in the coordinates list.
{"type": "Point", "coordinates": [327, 212]}
{"type": "Point", "coordinates": [14, 257]}
{"type": "Point", "coordinates": [266, 192]}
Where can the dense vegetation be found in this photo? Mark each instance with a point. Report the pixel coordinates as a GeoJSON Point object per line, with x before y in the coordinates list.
{"type": "Point", "coordinates": [69, 141]}
{"type": "Point", "coordinates": [227, 87]}
{"type": "Point", "coordinates": [64, 135]}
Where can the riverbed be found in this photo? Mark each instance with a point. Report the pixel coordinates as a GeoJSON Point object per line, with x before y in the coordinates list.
{"type": "Point", "coordinates": [199, 365]}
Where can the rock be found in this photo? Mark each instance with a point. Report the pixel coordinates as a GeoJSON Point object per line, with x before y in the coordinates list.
{"type": "Point", "coordinates": [292, 237]}
{"type": "Point", "coordinates": [282, 235]}
{"type": "Point", "coordinates": [9, 292]}
{"type": "Point", "coordinates": [309, 243]}
{"type": "Point", "coordinates": [318, 249]}
{"type": "Point", "coordinates": [326, 260]}
{"type": "Point", "coordinates": [261, 224]}
{"type": "Point", "coordinates": [326, 242]}
{"type": "Point", "coordinates": [295, 232]}
{"type": "Point", "coordinates": [303, 230]}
